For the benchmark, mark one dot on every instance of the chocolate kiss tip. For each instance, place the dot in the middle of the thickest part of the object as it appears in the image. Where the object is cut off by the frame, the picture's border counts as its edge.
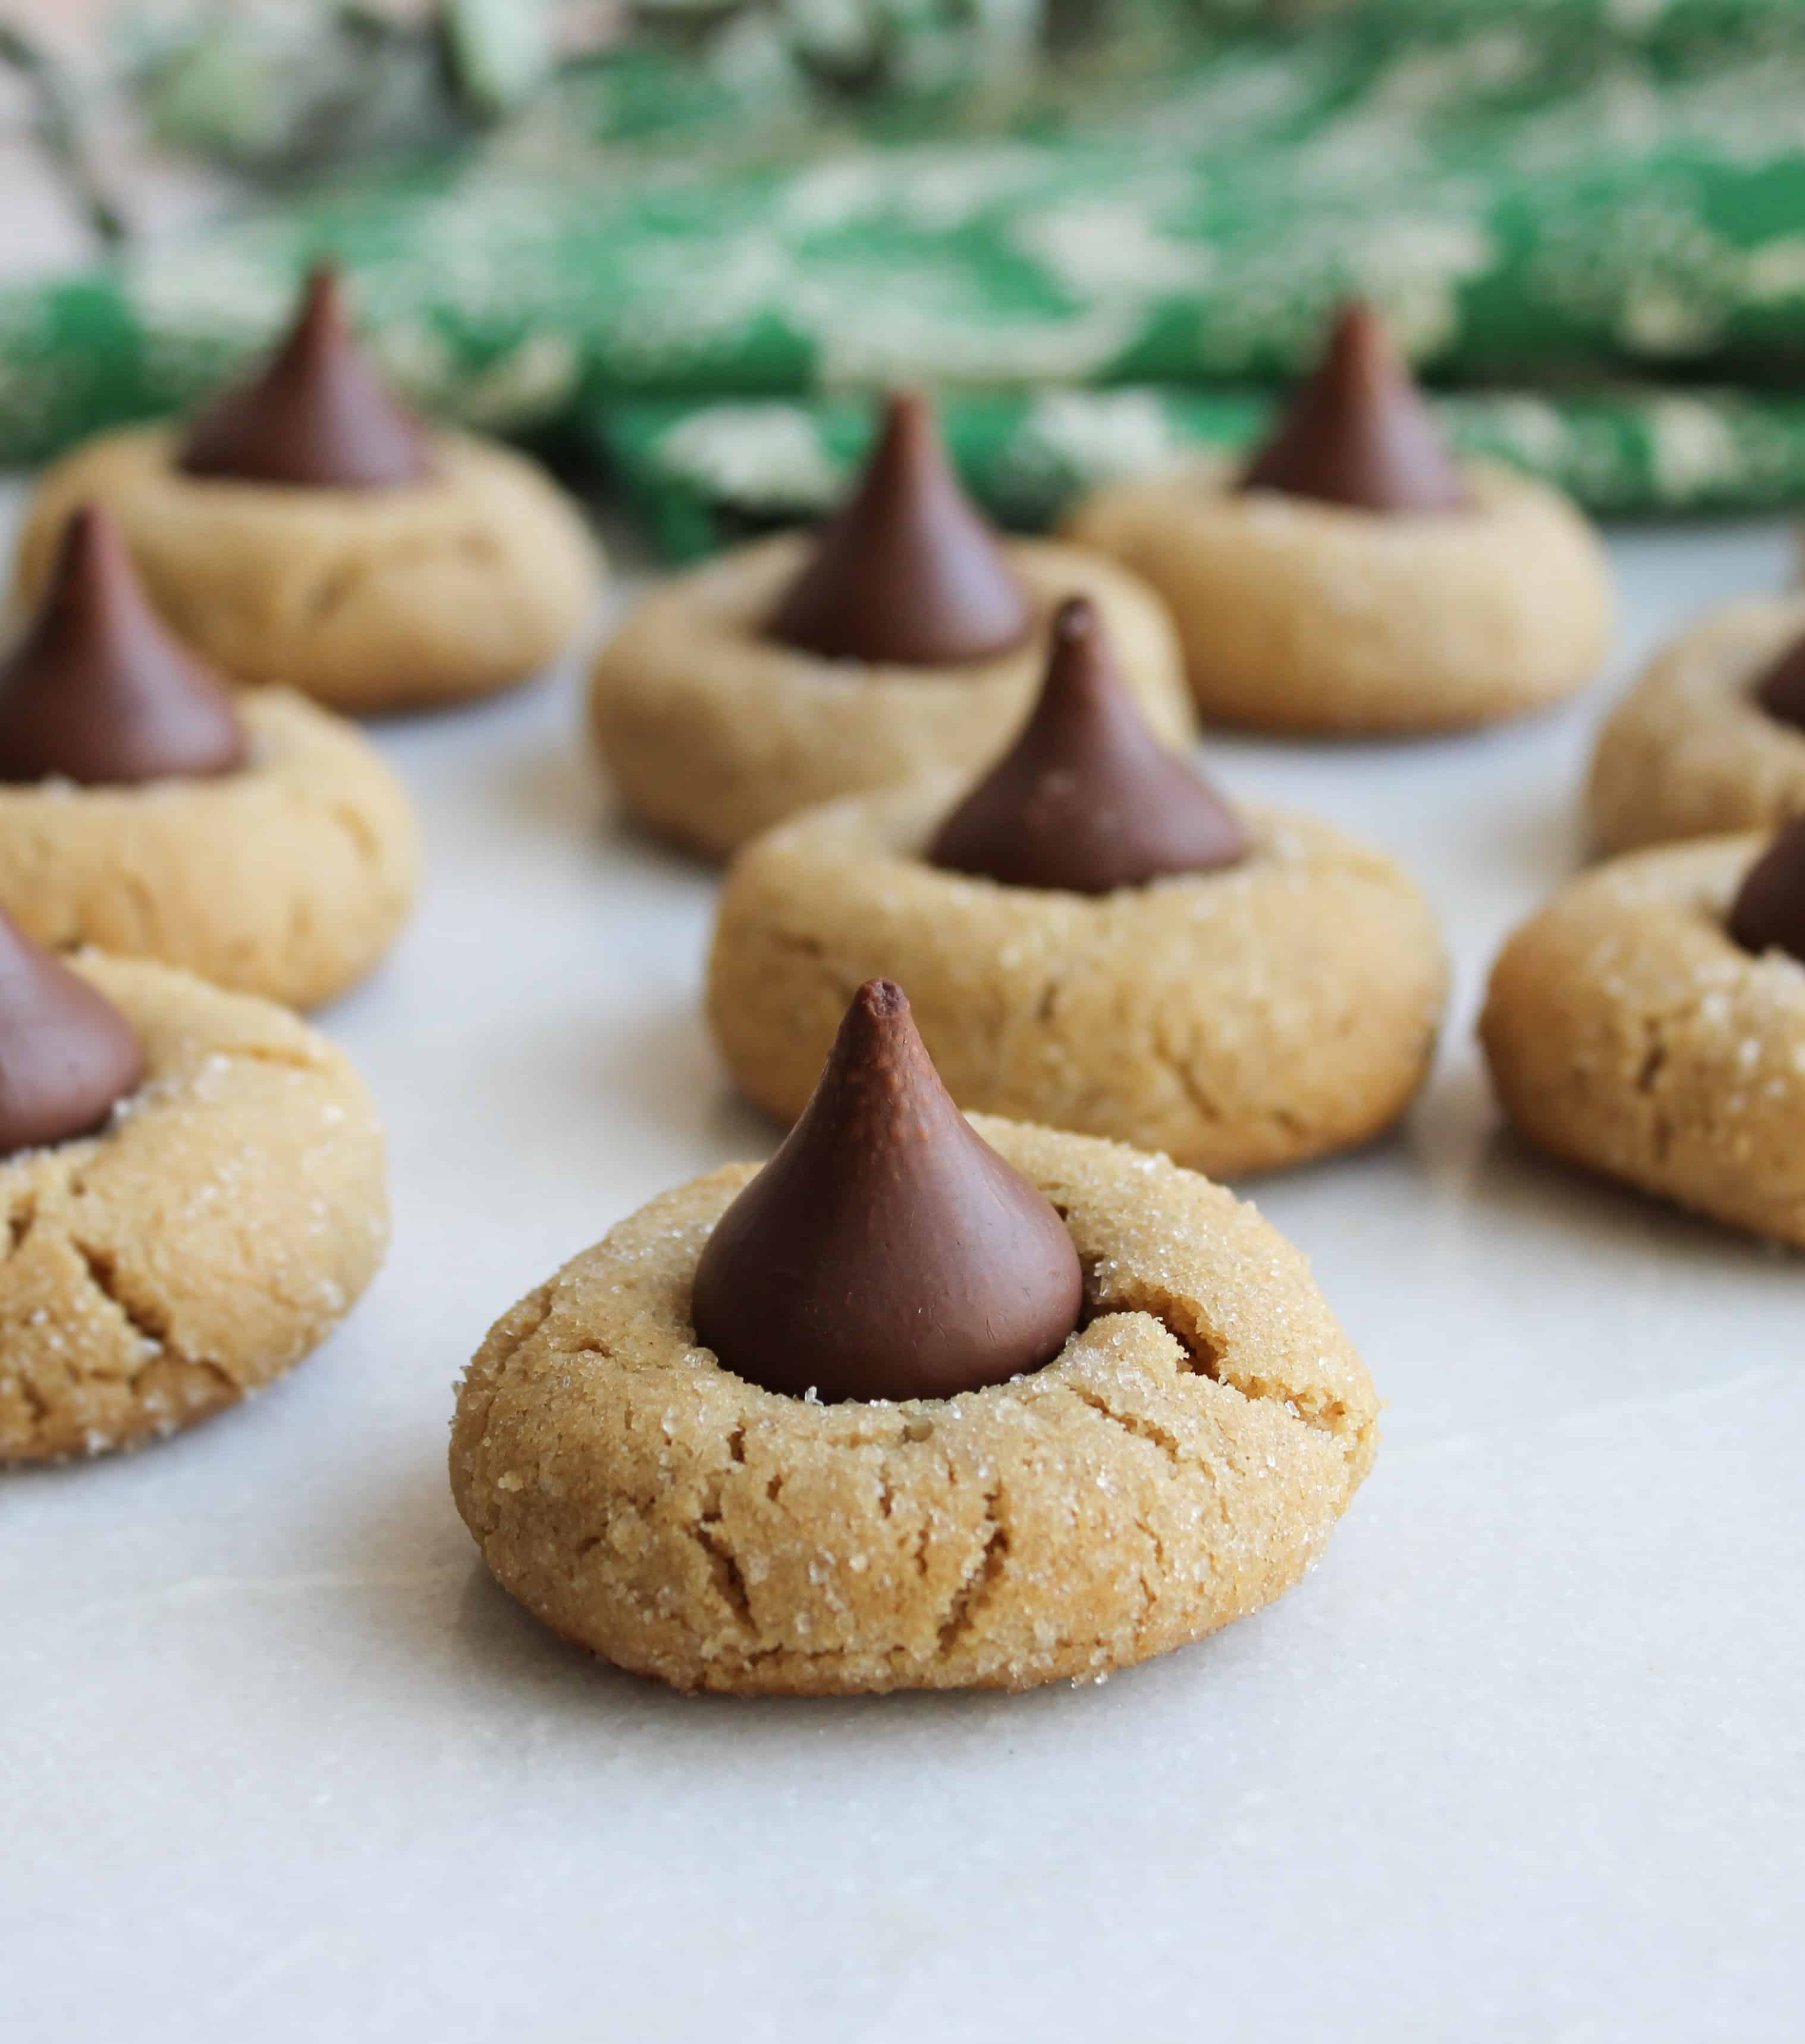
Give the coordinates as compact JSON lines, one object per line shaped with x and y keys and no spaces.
{"x":1086,"y":800}
{"x":1358,"y":432}
{"x":315,"y":417}
{"x":1781,"y":691}
{"x":886,"y":1251}
{"x":1768,"y":913}
{"x":907,"y":573}
{"x":68,"y":1057}
{"x":98,"y":691}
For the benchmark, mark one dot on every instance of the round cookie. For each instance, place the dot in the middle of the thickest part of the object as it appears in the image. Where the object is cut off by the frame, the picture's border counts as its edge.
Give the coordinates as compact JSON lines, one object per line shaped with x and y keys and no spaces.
{"x":1689,"y":752}
{"x":713,"y":731}
{"x":399,"y":599}
{"x":211,"y":1235}
{"x":1237,"y":1020}
{"x":1301,"y":616}
{"x":1180,"y":1464}
{"x":290,"y":877}
{"x":1627,"y":1032}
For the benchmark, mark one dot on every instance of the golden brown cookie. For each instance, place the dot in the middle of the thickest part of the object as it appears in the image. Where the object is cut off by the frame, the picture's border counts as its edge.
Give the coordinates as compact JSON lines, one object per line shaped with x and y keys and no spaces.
{"x":1236,"y":1019}
{"x":1689,"y":752}
{"x":367,"y":600}
{"x":1627,"y":1032}
{"x":214,"y":1233}
{"x":712,"y":731}
{"x":1180,"y":1464}
{"x":1300,"y":616}
{"x":290,"y":877}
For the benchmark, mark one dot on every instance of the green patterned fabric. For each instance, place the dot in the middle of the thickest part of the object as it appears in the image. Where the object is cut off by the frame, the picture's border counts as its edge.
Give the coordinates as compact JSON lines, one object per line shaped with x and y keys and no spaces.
{"x":1558,"y":204}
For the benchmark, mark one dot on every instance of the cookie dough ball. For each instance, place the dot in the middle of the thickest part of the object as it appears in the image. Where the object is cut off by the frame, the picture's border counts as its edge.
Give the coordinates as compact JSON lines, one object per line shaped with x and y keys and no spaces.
{"x":145,"y":809}
{"x":1181,"y":1462}
{"x":1628,"y":1032}
{"x":1354,"y":580}
{"x":211,"y":1233}
{"x":1277,"y":1010}
{"x":905,"y":638}
{"x":1690,"y":750}
{"x":305,"y":529}
{"x":290,"y":878}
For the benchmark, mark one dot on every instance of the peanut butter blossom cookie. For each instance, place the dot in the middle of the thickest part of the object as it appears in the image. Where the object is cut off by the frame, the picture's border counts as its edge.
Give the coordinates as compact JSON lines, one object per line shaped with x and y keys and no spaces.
{"x":1650,"y":1023}
{"x":145,"y":809}
{"x":306,"y":530}
{"x":195,"y":1194}
{"x":1092,"y":939}
{"x":1353,"y":578}
{"x":1711,"y":738}
{"x":925,"y":1404}
{"x":907,"y":638}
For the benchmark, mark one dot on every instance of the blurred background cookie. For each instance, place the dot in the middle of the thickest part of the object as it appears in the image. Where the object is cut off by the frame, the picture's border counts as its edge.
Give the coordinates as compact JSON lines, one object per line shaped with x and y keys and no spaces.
{"x":1353,"y":578}
{"x":305,"y":530}
{"x":1712,"y":738}
{"x":906,"y":637}
{"x":147,"y":809}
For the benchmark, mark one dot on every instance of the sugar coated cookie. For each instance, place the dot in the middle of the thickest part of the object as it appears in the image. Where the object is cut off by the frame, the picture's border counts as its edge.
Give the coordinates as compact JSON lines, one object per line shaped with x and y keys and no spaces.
{"x":260,"y":842}
{"x":1176,"y":1462}
{"x":306,"y":531}
{"x":1093,"y":940}
{"x":1711,"y":738}
{"x":1649,"y":1023}
{"x":1355,"y":579}
{"x":195,"y":1199}
{"x":905,"y":639}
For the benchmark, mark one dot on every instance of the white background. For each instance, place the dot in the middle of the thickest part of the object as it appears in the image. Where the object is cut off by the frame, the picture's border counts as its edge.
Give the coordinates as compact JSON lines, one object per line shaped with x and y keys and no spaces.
{"x":1521,"y":1761}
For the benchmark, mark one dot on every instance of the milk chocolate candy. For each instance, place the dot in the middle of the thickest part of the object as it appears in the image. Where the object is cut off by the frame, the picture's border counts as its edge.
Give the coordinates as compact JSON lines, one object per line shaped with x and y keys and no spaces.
{"x":906,"y":574}
{"x":99,"y":691}
{"x":886,"y":1251}
{"x":1768,"y":913}
{"x":316,"y":416}
{"x":66,"y":1056}
{"x":1358,"y":432}
{"x":1086,"y":800}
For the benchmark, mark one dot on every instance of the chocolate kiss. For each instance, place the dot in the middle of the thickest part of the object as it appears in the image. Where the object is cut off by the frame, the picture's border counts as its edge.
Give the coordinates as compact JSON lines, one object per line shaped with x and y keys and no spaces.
{"x":1768,"y":913}
{"x":1781,"y":690}
{"x":317,"y":416}
{"x":66,"y":1056}
{"x":1358,"y":432}
{"x":906,"y":574}
{"x":1086,"y":800}
{"x":97,"y":691}
{"x":886,"y":1252}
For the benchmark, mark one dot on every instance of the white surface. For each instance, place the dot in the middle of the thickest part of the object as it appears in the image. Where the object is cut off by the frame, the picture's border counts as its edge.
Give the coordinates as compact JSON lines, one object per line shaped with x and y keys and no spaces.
{"x":1521,"y":1761}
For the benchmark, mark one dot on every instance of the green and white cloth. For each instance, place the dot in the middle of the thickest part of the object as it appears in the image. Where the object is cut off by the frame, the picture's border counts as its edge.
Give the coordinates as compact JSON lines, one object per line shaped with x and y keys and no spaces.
{"x":1586,"y":217}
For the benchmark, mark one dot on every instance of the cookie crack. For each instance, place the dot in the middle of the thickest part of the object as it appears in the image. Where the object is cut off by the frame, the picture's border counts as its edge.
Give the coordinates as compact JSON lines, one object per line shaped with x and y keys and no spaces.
{"x":1205,"y":1104}
{"x":355,"y":827}
{"x":20,"y":1221}
{"x":150,"y":1327}
{"x":1204,"y":1358}
{"x":1136,"y":1424}
{"x":979,"y":1582}
{"x":724,"y":1567}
